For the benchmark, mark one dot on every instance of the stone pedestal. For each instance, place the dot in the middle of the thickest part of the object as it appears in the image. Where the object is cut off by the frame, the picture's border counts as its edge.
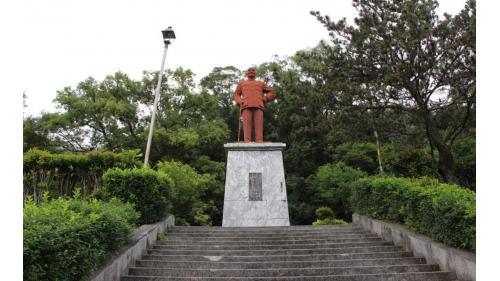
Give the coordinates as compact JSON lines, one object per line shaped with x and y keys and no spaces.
{"x":255,"y":190}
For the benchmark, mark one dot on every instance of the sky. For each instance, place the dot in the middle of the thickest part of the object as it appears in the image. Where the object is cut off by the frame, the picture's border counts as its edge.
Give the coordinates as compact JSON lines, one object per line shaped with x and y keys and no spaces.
{"x":63,"y":42}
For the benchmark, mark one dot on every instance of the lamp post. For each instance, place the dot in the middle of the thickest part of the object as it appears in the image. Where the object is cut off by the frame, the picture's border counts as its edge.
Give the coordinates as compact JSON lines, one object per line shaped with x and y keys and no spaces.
{"x":168,"y":36}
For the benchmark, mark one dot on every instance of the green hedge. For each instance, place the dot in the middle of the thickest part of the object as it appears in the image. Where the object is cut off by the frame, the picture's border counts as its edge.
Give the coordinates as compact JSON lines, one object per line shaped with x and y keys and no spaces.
{"x":446,"y":213}
{"x":147,"y":189}
{"x":66,"y":239}
{"x":60,"y":174}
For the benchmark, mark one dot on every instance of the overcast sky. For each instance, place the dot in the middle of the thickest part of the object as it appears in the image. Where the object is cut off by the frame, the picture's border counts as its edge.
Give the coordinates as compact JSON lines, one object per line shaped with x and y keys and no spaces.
{"x":61,"y":43}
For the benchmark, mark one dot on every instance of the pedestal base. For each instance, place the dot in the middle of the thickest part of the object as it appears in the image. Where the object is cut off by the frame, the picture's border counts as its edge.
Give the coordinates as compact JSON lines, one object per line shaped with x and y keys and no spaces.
{"x":255,"y":190}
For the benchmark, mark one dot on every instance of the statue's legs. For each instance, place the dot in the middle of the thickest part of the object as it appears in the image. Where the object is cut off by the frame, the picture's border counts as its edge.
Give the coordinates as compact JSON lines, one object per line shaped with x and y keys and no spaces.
{"x":253,"y":117}
{"x":258,"y":120}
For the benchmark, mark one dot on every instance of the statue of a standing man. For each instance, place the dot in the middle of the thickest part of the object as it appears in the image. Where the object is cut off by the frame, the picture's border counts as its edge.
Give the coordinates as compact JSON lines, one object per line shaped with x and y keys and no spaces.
{"x":251,"y":95}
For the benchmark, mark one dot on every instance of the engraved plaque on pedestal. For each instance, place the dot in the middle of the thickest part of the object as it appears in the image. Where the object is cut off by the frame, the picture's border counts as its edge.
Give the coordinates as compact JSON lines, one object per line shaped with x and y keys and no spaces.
{"x":255,"y":186}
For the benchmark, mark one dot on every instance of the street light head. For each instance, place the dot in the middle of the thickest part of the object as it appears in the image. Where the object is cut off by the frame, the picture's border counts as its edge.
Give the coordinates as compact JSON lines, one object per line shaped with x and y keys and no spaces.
{"x":168,"y":35}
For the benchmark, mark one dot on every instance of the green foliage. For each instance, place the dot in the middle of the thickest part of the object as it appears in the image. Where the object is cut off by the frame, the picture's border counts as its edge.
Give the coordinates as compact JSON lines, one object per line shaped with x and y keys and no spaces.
{"x":332,"y":186}
{"x":105,"y":112}
{"x":213,"y":193}
{"x":464,"y":153}
{"x":66,"y":239}
{"x":326,"y":216}
{"x":410,"y":162}
{"x":161,"y":236}
{"x":148,"y":190}
{"x":324,"y":212}
{"x":60,"y":174}
{"x":446,"y":213}
{"x":186,"y":193}
{"x":401,"y":56}
{"x":358,"y":155}
{"x":328,"y":221}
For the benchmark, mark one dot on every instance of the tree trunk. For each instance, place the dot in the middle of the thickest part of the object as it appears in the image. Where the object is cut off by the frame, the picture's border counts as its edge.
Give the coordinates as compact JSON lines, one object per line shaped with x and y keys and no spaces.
{"x":379,"y":154}
{"x":446,"y":162}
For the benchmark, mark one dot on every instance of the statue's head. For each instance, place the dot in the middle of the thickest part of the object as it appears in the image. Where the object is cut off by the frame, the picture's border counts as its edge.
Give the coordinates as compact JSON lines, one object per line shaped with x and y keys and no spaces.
{"x":251,"y":73}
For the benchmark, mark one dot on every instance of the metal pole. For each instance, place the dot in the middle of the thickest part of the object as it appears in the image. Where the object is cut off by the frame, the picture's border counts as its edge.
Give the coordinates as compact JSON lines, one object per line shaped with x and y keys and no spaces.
{"x":155,"y":105}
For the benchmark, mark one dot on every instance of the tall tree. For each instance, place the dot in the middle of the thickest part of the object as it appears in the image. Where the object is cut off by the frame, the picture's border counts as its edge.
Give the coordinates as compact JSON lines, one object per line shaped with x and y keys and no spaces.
{"x":402,"y":54}
{"x":107,"y":110}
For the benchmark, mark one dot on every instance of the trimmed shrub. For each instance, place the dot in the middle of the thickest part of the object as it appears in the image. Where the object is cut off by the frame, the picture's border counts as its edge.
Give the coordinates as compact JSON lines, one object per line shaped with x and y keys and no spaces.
{"x":331,"y":185}
{"x":324,"y":212}
{"x":68,"y":239}
{"x":326,"y":216}
{"x":147,"y":189}
{"x":446,"y":213}
{"x":60,"y":174}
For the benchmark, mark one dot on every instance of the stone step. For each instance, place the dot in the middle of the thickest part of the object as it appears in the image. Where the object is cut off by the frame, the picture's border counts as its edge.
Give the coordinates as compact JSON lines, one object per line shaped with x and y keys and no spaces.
{"x":369,"y":249}
{"x":271,"y":247}
{"x":411,"y":276}
{"x":267,"y":235}
{"x":270,"y":231}
{"x":272,"y":258}
{"x":261,"y":228}
{"x":352,"y":270}
{"x":286,"y":264}
{"x":181,"y":242}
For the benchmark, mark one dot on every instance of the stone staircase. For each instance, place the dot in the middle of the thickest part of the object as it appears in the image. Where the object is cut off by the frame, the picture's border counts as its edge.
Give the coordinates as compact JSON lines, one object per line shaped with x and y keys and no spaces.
{"x":336,"y":252}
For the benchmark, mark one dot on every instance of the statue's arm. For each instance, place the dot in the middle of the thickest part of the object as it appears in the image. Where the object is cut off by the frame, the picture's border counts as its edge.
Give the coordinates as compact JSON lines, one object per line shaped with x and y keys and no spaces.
{"x":270,"y":94}
{"x":237,"y":94}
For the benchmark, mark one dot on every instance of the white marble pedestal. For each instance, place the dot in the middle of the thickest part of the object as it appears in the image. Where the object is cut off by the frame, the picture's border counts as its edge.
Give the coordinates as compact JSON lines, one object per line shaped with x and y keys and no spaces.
{"x":255,"y":190}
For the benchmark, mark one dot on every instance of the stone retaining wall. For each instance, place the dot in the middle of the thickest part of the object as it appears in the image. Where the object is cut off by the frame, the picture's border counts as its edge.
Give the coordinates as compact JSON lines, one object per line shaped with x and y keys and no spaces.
{"x":141,"y":239}
{"x":461,"y":262}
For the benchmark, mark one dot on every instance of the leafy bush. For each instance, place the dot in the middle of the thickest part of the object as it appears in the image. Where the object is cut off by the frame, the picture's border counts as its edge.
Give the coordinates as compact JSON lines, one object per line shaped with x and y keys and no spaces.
{"x":147,"y":189}
{"x":326,"y":216}
{"x":331,"y":185}
{"x":188,"y":188}
{"x":324,"y":212}
{"x":213,"y":193}
{"x":66,"y":239}
{"x":446,"y":213}
{"x":60,"y":174}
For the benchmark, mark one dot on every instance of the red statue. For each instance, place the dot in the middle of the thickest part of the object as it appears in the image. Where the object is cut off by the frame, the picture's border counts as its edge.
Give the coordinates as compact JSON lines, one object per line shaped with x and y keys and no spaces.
{"x":251,"y":95}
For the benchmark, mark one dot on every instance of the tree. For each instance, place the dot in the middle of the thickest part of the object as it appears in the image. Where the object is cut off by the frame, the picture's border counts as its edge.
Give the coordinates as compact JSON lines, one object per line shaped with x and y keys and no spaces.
{"x":220,"y":83}
{"x":402,"y":55}
{"x":108,"y":111}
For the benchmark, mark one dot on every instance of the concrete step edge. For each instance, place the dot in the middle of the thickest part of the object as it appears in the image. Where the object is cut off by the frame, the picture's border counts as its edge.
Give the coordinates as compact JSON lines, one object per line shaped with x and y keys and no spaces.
{"x":269,"y":272}
{"x":190,"y":242}
{"x":275,"y":237}
{"x":280,"y":264}
{"x":287,"y":251}
{"x":407,"y":276}
{"x":258,"y":228}
{"x":239,"y":234}
{"x":431,"y":265}
{"x":269,"y":247}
